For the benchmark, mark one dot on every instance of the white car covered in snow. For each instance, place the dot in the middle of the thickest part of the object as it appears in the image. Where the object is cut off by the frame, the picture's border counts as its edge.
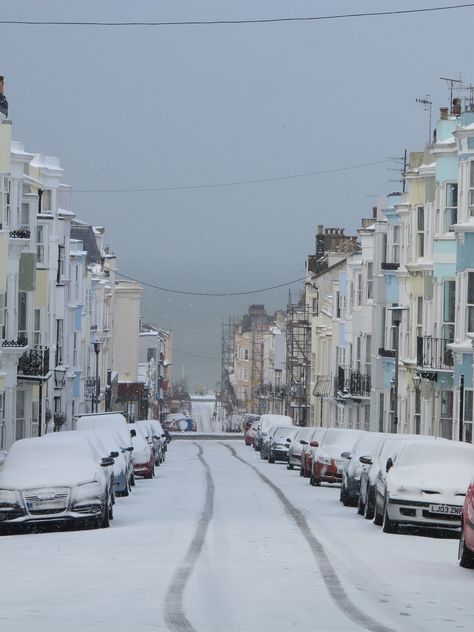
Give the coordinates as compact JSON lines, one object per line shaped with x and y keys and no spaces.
{"x":426,"y":485}
{"x":53,"y":482}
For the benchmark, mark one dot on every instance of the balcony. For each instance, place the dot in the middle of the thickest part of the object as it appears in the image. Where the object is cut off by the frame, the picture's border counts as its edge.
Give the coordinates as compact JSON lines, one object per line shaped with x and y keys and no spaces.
{"x":352,"y":383}
{"x":389,"y":265}
{"x":15,"y":344}
{"x":432,"y":354}
{"x":20,"y":233}
{"x":386,"y":353}
{"x":34,"y":363}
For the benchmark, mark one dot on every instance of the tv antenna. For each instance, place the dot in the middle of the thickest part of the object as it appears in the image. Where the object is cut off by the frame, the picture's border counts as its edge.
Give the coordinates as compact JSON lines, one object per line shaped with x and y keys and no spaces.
{"x":451,"y":87}
{"x":428,"y":104}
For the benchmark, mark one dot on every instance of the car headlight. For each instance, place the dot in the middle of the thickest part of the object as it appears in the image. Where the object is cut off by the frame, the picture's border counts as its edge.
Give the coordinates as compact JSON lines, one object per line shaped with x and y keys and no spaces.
{"x":8,"y":498}
{"x":87,"y":491}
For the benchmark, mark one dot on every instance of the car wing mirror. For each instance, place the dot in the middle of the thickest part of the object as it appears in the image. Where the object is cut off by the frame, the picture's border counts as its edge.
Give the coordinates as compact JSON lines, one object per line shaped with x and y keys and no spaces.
{"x":389,"y":464}
{"x":107,"y":462}
{"x":366,"y":460}
{"x":133,"y":432}
{"x":303,"y":442}
{"x":130,"y":449}
{"x":346,"y":455}
{"x":114,"y":454}
{"x":289,"y":439}
{"x":314,"y":444}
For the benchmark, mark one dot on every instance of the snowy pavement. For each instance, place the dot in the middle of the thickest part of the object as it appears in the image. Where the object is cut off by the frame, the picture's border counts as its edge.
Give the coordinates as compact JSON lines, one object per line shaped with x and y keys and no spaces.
{"x":220,"y":541}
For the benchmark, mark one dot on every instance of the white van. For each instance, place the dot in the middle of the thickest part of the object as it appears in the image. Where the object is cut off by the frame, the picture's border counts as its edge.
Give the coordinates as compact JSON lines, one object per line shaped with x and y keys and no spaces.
{"x":266,"y":422}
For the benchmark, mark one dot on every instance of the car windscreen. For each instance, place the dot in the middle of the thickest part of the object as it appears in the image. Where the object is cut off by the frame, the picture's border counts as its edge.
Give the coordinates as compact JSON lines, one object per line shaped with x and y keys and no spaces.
{"x":442,"y":454}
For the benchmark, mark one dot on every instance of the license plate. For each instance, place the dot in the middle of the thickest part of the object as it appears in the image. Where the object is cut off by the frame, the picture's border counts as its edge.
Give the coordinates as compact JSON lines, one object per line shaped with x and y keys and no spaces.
{"x":450,"y":510}
{"x":45,"y":505}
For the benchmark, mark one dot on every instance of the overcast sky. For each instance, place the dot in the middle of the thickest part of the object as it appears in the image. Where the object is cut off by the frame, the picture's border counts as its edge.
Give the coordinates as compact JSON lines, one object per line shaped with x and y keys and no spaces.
{"x":191,"y":105}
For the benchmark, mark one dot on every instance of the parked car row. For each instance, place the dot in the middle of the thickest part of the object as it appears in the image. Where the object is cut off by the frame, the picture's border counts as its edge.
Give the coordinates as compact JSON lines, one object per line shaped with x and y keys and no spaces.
{"x":393,"y":479}
{"x":74,"y":477}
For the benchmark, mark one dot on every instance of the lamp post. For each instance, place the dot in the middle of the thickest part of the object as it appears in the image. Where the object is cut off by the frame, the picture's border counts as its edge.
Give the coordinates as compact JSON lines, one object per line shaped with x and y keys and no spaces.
{"x":97,"y":383}
{"x":397,"y":314}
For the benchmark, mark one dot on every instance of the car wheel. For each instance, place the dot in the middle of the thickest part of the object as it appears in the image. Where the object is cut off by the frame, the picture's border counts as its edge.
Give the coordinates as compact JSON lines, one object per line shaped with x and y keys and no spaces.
{"x":465,"y":556}
{"x":290,"y":467}
{"x":270,"y":458}
{"x":104,"y":523}
{"x":132,"y":480}
{"x":314,"y":481}
{"x":343,"y":495}
{"x":369,"y":505}
{"x":301,"y":471}
{"x":378,"y":517}
{"x":388,"y":525}
{"x":360,"y":506}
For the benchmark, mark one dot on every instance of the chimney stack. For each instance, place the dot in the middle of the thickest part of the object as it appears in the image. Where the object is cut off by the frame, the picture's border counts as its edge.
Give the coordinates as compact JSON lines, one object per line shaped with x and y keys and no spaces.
{"x":374,"y":212}
{"x":3,"y":101}
{"x":443,"y":113}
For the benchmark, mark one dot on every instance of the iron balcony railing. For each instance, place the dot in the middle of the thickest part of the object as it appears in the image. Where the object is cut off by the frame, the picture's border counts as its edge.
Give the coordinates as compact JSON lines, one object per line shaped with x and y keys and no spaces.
{"x":352,"y":382}
{"x":34,"y":362}
{"x":18,"y":342}
{"x":433,"y":353}
{"x":20,"y":233}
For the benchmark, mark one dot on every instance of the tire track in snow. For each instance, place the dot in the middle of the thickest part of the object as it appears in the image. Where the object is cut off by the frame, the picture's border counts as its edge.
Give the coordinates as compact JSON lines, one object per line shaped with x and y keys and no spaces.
{"x":328,"y":572}
{"x":174,"y":614}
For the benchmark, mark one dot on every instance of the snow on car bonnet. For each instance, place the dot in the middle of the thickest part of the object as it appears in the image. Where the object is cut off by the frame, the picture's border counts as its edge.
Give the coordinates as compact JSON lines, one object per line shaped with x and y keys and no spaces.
{"x":37,"y":463}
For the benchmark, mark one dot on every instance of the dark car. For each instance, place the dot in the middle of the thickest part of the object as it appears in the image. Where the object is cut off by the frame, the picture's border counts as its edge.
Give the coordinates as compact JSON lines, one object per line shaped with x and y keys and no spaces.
{"x":367,"y":445}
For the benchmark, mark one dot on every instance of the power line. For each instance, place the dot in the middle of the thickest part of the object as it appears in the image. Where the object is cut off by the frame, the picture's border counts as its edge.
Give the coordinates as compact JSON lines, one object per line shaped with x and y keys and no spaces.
{"x":189,"y":293}
{"x":237,"y":21}
{"x":190,"y":187}
{"x":195,"y":355}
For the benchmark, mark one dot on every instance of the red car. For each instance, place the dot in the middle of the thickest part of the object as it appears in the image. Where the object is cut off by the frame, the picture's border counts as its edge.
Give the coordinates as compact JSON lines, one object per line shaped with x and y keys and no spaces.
{"x":328,"y":461}
{"x":143,"y":455}
{"x":308,"y":450}
{"x":466,"y":542}
{"x":250,"y":429}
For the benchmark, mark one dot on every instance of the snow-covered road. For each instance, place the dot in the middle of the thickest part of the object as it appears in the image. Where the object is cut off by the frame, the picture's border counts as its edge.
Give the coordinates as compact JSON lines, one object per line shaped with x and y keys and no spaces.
{"x":220,"y":541}
{"x":202,"y":410}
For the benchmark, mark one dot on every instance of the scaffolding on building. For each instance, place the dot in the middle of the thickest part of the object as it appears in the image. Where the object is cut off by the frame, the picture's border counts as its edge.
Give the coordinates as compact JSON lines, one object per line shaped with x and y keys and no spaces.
{"x":256,"y":379}
{"x":298,"y":362}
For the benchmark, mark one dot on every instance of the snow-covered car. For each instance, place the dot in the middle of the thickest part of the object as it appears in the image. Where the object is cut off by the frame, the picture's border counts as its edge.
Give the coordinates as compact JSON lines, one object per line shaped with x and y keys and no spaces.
{"x":309,"y":450}
{"x":233,"y":423}
{"x":328,"y":460}
{"x":153,"y":439}
{"x":280,"y":443}
{"x":3,"y":456}
{"x":466,"y":540}
{"x":264,"y":450}
{"x":46,"y":482}
{"x":158,"y":432}
{"x":266,"y":422}
{"x":110,"y":442}
{"x":375,"y":468}
{"x":367,"y":445}
{"x":426,"y":485}
{"x":296,"y":446}
{"x":142,"y":455}
{"x":111,"y":422}
{"x":249,"y":424}
{"x":178,"y":422}
{"x":94,"y":443}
